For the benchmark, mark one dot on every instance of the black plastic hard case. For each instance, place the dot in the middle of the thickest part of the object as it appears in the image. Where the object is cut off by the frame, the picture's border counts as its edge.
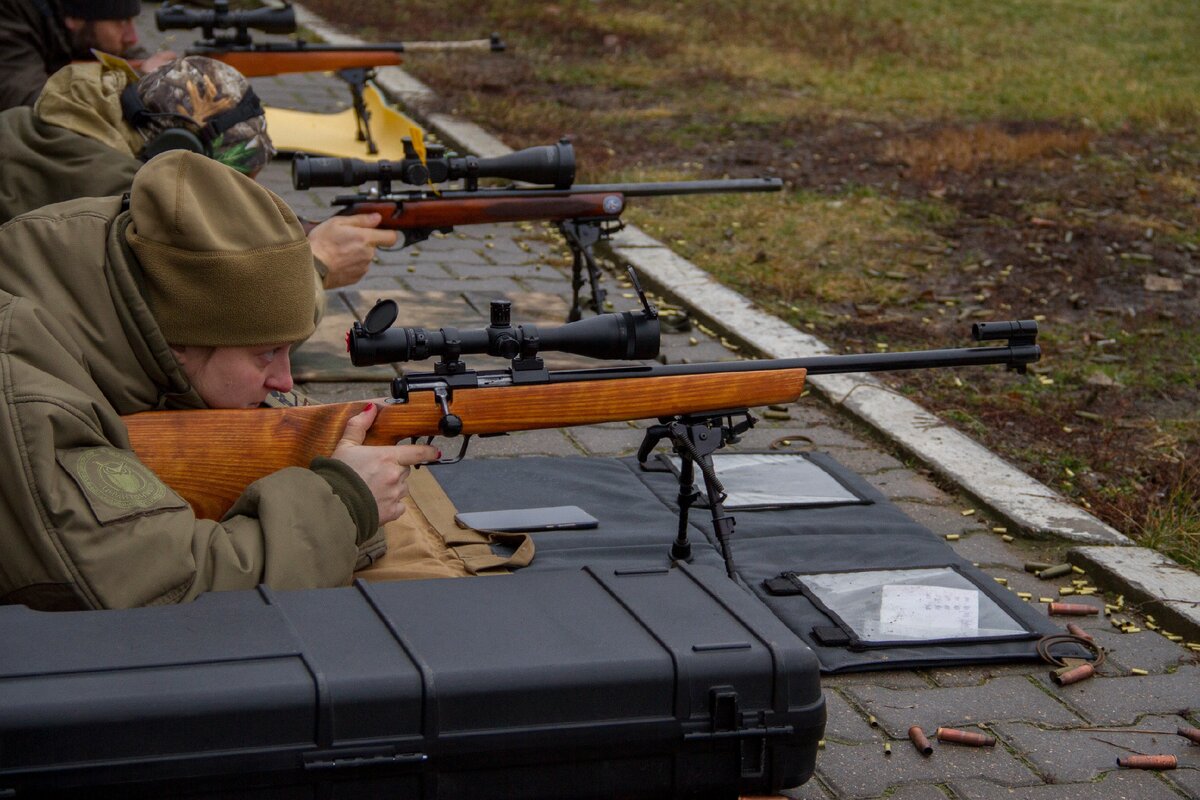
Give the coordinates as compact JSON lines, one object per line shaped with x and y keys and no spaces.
{"x":634,"y":683}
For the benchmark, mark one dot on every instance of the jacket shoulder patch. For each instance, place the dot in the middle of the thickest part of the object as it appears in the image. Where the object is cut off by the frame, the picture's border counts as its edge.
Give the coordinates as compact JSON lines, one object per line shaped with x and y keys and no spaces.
{"x":116,"y":484}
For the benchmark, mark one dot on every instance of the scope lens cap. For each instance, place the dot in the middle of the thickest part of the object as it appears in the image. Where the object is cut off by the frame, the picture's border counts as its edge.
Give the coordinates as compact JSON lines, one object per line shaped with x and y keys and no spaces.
{"x":381,"y":317}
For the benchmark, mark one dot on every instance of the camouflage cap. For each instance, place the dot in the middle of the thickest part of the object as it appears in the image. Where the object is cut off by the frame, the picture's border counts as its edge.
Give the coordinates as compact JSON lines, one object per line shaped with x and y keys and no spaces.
{"x":198,"y":89}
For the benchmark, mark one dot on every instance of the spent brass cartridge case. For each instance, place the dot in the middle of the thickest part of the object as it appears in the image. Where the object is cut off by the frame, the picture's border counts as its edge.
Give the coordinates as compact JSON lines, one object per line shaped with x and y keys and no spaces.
{"x":1056,"y":571}
{"x":1036,"y":566}
{"x":1073,"y":609}
{"x":1190,"y":733}
{"x":1147,"y":762}
{"x":969,"y":738}
{"x":1075,"y":630}
{"x":920,"y":740}
{"x":1066,"y":677}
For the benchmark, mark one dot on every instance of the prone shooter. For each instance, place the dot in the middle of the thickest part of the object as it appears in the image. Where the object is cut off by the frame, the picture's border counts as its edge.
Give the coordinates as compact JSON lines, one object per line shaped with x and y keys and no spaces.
{"x":355,"y":65}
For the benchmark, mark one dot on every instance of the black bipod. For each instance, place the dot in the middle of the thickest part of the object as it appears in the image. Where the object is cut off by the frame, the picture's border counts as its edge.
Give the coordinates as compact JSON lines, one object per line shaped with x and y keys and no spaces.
{"x":695,"y":438}
{"x":581,"y":236}
{"x":357,"y":78}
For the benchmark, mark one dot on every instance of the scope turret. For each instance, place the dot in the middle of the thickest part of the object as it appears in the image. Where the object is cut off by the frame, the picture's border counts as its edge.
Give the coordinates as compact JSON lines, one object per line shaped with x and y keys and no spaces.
{"x":552,"y":164}
{"x":626,"y":335}
{"x":219,"y":17}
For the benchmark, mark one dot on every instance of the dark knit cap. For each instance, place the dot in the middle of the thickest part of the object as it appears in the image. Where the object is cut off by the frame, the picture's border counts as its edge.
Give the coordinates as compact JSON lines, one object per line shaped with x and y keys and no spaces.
{"x":101,"y":9}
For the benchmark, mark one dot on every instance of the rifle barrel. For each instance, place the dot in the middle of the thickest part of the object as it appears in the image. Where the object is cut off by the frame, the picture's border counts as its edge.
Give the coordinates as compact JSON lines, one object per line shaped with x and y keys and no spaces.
{"x":625,"y":189}
{"x":684,"y":187}
{"x":1013,"y":355}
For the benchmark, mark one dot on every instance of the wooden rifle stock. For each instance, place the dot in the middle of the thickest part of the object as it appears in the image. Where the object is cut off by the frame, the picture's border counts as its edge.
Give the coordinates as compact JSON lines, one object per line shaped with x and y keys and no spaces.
{"x":210,"y":456}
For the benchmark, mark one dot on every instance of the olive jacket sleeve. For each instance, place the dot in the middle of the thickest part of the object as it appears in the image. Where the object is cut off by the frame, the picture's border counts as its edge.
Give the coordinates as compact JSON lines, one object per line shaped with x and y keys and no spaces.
{"x":82,"y":515}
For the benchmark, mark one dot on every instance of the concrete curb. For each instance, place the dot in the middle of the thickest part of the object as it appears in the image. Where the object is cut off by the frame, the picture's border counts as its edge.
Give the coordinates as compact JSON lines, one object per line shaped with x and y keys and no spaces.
{"x":1023,"y":503}
{"x":1153,"y":583}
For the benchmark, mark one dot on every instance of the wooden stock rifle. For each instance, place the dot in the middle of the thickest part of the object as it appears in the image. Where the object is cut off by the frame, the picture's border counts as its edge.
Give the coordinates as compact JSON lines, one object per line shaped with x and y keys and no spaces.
{"x":584,"y":214}
{"x":355,"y":65}
{"x":211,"y":456}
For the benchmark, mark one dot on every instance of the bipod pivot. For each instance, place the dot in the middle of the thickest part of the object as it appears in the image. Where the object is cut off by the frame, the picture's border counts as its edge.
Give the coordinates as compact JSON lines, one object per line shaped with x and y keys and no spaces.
{"x":357,"y":79}
{"x":581,"y":236}
{"x":695,"y":438}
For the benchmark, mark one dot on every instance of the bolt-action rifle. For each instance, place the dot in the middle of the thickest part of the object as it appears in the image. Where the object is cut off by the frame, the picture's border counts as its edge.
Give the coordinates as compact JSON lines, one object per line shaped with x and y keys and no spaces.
{"x":584,"y":213}
{"x":355,"y":65}
{"x":211,"y":456}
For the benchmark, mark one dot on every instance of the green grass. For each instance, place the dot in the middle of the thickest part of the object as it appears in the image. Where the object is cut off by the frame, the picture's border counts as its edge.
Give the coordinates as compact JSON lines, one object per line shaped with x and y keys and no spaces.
{"x":1107,"y":61}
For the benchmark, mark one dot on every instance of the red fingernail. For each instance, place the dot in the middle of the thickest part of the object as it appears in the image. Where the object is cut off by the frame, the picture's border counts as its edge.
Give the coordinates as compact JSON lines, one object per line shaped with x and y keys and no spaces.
{"x":439,"y":455}
{"x":369,"y":406}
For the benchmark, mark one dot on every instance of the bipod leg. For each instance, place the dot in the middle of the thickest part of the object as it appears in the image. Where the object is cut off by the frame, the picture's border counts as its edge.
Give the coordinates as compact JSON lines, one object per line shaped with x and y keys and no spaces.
{"x":681,"y":548}
{"x":598,"y":295}
{"x":357,"y":80}
{"x":576,"y":312}
{"x":723,"y":523}
{"x":581,"y":235}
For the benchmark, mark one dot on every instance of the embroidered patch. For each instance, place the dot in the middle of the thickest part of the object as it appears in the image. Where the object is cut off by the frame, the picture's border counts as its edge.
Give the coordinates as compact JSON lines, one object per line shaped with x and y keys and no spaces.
{"x":116,"y":484}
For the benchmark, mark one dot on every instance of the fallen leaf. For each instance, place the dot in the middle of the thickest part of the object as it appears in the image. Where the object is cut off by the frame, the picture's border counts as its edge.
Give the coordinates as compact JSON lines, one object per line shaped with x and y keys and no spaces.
{"x":1100,"y":379}
{"x":1157,"y":283}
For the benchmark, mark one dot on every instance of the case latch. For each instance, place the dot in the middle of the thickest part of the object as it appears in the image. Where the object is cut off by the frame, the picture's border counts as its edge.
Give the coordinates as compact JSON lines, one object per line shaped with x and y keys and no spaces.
{"x":723,"y":705}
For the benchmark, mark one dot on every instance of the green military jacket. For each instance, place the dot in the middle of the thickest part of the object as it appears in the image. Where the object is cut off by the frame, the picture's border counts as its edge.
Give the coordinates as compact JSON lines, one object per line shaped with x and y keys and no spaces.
{"x":42,"y":164}
{"x":73,"y":143}
{"x":83,"y":524}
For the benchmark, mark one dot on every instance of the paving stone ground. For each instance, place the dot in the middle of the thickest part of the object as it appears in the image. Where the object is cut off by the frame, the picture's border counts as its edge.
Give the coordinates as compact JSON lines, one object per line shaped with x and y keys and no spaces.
{"x":1044,"y":748}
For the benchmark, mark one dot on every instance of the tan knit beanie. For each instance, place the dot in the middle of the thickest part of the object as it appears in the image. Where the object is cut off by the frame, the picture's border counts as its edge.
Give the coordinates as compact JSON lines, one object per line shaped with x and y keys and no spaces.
{"x":225,"y":260}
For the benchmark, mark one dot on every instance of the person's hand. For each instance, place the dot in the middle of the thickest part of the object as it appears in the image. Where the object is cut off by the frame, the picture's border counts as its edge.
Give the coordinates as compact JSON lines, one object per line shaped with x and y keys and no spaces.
{"x":346,"y":245}
{"x":384,"y":469}
{"x":157,"y":60}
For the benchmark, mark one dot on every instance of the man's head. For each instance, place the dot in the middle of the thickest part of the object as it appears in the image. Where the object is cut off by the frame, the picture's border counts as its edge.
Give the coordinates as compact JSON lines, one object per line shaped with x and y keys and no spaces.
{"x":105,"y":25}
{"x":228,"y":275}
{"x":209,"y":100}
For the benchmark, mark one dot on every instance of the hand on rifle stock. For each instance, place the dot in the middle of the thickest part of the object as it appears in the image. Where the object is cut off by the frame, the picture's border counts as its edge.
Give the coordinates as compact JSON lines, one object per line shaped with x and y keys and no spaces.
{"x":346,"y":245}
{"x":383,"y":468}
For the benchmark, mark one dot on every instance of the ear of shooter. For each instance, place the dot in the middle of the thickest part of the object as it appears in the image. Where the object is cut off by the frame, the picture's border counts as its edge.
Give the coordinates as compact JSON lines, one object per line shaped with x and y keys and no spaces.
{"x":418,"y":141}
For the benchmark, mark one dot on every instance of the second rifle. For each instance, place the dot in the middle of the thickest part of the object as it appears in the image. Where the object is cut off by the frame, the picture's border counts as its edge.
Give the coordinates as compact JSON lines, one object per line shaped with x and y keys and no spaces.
{"x":584,"y":213}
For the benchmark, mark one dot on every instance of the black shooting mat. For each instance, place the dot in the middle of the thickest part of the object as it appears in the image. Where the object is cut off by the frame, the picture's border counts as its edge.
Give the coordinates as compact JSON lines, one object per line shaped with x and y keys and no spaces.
{"x":784,"y":556}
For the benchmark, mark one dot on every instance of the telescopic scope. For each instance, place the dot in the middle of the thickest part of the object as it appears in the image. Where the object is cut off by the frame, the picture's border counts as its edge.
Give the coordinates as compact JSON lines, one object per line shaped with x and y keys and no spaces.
{"x":626,"y":335}
{"x":552,"y":164}
{"x":219,"y":17}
